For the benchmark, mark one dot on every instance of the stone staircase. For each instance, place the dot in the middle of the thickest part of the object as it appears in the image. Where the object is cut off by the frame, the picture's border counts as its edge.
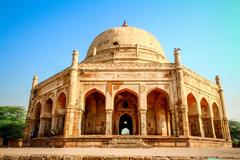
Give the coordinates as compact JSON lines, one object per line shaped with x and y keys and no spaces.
{"x":125,"y":142}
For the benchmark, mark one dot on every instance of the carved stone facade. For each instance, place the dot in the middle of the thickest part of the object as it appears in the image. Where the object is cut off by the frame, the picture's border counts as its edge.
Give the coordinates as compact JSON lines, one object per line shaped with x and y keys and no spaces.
{"x":126,"y":87}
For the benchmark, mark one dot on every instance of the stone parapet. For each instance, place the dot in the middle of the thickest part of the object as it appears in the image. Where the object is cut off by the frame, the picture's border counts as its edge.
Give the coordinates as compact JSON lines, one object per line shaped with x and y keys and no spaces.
{"x":199,"y":77}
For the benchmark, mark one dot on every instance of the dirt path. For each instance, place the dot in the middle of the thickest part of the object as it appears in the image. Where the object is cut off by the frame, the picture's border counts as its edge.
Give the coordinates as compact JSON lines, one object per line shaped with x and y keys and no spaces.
{"x":184,"y":152}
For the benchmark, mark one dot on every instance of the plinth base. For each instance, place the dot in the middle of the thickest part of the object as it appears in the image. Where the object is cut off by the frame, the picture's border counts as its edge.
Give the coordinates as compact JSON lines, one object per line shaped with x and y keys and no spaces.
{"x":133,"y":141}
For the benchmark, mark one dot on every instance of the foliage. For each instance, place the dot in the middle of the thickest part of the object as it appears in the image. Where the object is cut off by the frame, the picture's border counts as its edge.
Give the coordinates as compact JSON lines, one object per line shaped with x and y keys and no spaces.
{"x":235,"y":131}
{"x":12,"y":122}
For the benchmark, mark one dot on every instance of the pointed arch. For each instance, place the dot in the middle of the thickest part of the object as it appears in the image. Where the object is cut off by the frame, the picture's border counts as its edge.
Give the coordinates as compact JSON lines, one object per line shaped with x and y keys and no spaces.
{"x":217,"y":121}
{"x":37,"y":111}
{"x":124,"y":95}
{"x":126,"y":90}
{"x":193,"y":116}
{"x":94,"y":117}
{"x":159,"y":90}
{"x":36,"y":120}
{"x":48,"y":107}
{"x":61,"y":103}
{"x":125,"y":102}
{"x":46,"y":121}
{"x":59,"y":115}
{"x":158,"y":117}
{"x":216,"y":112}
{"x":204,"y":108}
{"x":206,"y":118}
{"x":91,"y":91}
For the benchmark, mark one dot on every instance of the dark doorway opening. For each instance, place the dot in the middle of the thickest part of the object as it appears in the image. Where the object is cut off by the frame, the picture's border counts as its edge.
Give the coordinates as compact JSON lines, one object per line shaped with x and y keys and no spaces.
{"x":125,"y":125}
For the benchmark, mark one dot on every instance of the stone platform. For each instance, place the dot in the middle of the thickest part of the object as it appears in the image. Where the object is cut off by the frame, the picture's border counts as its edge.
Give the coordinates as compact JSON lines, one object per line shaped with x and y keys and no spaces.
{"x":133,"y":141}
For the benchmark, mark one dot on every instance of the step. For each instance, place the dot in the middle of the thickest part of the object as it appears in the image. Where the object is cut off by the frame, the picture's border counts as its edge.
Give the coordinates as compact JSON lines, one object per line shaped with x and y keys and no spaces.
{"x":126,"y":143}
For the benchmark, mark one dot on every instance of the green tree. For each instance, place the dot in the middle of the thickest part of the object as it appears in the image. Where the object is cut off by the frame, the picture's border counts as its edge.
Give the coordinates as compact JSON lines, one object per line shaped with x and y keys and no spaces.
{"x":12,"y":122}
{"x":235,"y":131}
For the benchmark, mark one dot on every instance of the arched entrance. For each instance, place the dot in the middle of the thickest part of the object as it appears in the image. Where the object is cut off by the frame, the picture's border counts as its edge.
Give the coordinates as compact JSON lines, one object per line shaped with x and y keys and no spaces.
{"x":158,"y":117}
{"x":125,"y":116}
{"x":206,"y":118}
{"x":46,"y":120}
{"x":36,"y":121}
{"x":217,"y":121}
{"x":94,"y":117}
{"x":193,"y":116}
{"x":59,"y":115}
{"x":125,"y":125}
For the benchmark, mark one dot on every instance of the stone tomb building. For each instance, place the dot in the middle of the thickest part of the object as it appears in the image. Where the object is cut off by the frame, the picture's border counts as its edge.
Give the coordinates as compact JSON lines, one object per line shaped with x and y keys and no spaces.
{"x":126,"y":93}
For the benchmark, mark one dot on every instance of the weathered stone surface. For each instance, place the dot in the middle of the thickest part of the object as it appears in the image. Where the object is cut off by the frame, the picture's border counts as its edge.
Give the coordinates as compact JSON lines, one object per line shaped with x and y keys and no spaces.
{"x":125,"y":83}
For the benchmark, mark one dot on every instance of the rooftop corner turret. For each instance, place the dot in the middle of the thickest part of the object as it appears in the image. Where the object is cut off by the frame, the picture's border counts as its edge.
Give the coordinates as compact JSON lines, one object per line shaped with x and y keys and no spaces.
{"x":218,"y":82}
{"x":75,"y":55}
{"x":35,"y":81}
{"x":177,"y":56}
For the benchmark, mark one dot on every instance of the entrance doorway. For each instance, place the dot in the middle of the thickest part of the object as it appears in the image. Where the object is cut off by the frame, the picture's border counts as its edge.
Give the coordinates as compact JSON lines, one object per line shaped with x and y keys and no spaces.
{"x":125,"y":125}
{"x":125,"y":114}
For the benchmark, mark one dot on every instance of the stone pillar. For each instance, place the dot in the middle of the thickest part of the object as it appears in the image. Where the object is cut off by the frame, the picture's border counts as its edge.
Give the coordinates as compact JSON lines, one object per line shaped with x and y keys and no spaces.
{"x":226,"y":131}
{"x":79,"y":114}
{"x":29,"y":121}
{"x":109,"y":109}
{"x":219,"y":124}
{"x":173,"y":121}
{"x":72,"y":96}
{"x":143,"y":113}
{"x":54,"y":122}
{"x":142,"y":109}
{"x":181,"y":99}
{"x":79,"y":121}
{"x":169,"y":124}
{"x":109,"y":114}
{"x":200,"y":127}
{"x":174,"y":107}
{"x":202,"y":134}
{"x":212,"y":122}
{"x":55,"y":117}
{"x":41,"y":127}
{"x":157,"y":115}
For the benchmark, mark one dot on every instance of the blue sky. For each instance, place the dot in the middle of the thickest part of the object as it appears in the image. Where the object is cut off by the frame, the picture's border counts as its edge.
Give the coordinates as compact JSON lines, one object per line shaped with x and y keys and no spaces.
{"x":39,"y":36}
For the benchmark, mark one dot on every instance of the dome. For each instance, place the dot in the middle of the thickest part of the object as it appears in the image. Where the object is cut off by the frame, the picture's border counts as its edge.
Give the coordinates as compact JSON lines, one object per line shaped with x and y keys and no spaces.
{"x":120,"y":44}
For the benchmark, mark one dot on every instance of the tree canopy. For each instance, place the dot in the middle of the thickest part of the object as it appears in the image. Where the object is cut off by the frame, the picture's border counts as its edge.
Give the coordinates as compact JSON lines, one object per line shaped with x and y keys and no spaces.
{"x":12,"y":122}
{"x":235,"y":131}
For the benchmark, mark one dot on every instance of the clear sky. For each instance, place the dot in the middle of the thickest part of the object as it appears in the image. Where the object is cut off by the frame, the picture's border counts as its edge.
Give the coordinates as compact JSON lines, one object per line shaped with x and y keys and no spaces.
{"x":38,"y":36}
